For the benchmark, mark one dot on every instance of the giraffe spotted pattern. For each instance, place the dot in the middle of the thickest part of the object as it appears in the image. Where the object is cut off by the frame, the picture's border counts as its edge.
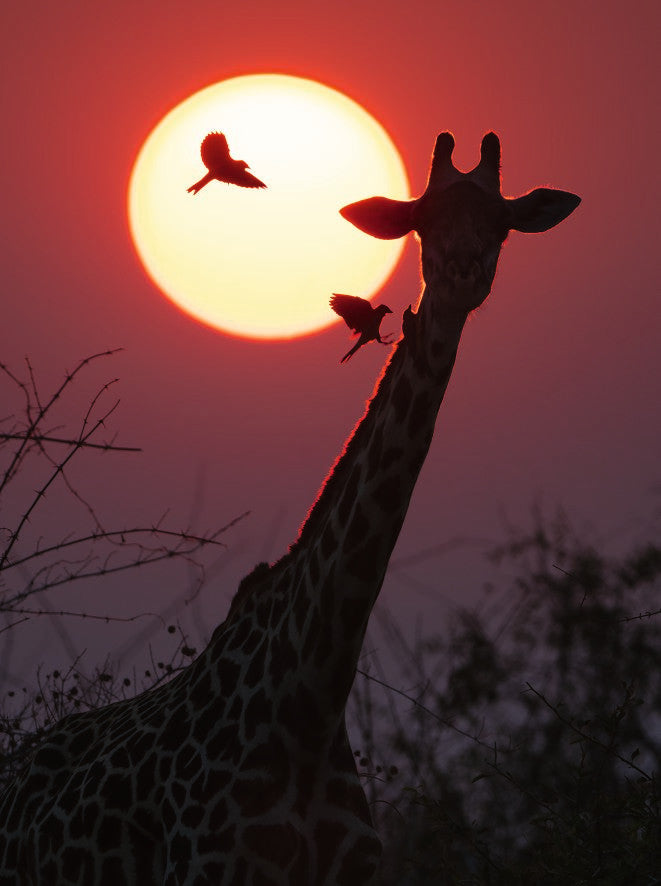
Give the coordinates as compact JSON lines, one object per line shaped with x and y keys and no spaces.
{"x":231,"y":771}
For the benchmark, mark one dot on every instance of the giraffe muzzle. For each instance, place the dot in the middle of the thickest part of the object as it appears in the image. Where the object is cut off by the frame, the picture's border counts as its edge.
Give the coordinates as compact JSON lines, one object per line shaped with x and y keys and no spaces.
{"x":464,"y":273}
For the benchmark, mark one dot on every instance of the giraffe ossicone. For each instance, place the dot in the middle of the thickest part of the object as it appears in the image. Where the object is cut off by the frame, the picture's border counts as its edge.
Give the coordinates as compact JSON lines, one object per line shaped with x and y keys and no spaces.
{"x":239,"y":770}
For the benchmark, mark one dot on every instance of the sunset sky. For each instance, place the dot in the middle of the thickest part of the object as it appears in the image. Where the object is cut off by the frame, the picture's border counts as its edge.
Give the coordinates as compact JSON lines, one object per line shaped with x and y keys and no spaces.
{"x":555,"y":396}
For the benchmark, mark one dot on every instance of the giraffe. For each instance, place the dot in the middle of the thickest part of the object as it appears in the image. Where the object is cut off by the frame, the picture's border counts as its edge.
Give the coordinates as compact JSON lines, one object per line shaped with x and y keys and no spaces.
{"x":239,"y":770}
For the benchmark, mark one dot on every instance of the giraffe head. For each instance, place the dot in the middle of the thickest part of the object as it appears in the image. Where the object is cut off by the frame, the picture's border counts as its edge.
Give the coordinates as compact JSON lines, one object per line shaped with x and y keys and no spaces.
{"x":462,"y":220}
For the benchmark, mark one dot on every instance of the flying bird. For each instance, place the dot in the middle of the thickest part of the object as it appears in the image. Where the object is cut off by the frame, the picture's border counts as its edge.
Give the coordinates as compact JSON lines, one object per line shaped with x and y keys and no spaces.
{"x":361,"y":317}
{"x":216,"y":157}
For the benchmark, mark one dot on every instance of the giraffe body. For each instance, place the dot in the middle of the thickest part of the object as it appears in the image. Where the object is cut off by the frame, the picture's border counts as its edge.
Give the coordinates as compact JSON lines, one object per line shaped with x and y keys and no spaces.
{"x":176,"y":789}
{"x":239,"y":771}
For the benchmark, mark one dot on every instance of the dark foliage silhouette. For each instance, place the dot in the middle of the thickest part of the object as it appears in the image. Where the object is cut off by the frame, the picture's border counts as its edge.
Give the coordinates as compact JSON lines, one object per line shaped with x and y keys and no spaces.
{"x":528,"y":747}
{"x":361,"y":318}
{"x":216,"y":157}
{"x":27,"y":712}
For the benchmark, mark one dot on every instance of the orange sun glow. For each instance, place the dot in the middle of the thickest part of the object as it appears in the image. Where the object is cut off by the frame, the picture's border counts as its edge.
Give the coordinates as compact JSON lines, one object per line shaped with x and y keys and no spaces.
{"x":263,"y":263}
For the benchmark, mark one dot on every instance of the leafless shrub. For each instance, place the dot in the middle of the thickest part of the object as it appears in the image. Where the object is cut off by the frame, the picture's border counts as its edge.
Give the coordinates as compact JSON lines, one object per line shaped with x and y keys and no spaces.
{"x":36,"y":447}
{"x":39,"y":444}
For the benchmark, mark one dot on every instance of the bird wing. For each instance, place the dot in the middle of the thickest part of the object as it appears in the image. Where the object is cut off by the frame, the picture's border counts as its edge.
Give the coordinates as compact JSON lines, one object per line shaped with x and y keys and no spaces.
{"x":355,"y":311}
{"x":247,"y":180}
{"x":214,"y":150}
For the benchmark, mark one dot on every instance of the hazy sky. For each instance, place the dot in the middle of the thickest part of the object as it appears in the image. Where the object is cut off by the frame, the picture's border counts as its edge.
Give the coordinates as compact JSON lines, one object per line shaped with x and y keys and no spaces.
{"x":555,"y":395}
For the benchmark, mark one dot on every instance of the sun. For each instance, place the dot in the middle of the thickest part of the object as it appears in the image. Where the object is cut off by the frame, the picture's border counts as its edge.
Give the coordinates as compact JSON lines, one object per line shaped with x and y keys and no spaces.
{"x":263,"y":263}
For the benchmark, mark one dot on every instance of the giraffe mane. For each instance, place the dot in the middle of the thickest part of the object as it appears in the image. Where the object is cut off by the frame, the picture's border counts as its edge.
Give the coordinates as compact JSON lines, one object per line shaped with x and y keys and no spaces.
{"x":335,"y":480}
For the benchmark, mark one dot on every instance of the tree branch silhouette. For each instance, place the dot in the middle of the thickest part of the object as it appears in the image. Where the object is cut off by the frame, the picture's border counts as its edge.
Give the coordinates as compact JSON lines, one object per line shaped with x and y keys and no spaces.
{"x":89,"y":554}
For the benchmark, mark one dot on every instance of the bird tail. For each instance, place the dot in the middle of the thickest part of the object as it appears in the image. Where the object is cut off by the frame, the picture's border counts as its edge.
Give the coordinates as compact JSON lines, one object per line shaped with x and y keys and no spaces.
{"x":199,"y":185}
{"x":353,"y":350}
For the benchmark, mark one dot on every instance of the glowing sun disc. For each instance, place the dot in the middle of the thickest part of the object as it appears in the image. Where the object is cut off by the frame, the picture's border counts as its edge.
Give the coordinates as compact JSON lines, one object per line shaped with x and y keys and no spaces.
{"x":263,"y":263}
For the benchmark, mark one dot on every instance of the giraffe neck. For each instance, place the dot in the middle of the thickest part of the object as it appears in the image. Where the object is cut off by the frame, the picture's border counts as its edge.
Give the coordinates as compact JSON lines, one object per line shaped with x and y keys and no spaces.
{"x":345,"y":543}
{"x":315,"y":602}
{"x":356,"y":519}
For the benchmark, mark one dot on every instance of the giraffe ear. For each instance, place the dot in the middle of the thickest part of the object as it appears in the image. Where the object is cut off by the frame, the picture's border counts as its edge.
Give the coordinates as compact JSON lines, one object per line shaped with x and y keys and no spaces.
{"x":381,"y":217}
{"x":541,"y":209}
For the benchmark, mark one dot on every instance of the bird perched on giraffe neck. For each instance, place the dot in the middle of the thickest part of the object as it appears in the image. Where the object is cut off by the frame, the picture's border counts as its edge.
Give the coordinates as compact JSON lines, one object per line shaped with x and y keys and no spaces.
{"x":216,"y":157}
{"x":361,"y":318}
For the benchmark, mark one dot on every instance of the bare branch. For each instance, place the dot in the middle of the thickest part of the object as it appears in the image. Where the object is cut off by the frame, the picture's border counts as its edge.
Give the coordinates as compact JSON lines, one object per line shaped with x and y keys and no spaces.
{"x":40,"y":493}
{"x":67,"y":441}
{"x":42,"y":410}
{"x":122,"y":534}
{"x":84,"y":615}
{"x":418,"y":704}
{"x":587,"y":736}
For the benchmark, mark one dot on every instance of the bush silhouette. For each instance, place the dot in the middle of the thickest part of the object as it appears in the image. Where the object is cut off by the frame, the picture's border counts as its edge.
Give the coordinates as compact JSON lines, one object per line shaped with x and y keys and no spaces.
{"x":531,"y":754}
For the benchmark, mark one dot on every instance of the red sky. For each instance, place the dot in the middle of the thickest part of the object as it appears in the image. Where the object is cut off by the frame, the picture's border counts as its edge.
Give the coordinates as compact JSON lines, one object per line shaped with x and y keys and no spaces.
{"x":555,"y":397}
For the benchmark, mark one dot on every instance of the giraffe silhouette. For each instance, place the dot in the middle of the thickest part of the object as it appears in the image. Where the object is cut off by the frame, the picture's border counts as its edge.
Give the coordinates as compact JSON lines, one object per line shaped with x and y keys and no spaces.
{"x":239,"y":770}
